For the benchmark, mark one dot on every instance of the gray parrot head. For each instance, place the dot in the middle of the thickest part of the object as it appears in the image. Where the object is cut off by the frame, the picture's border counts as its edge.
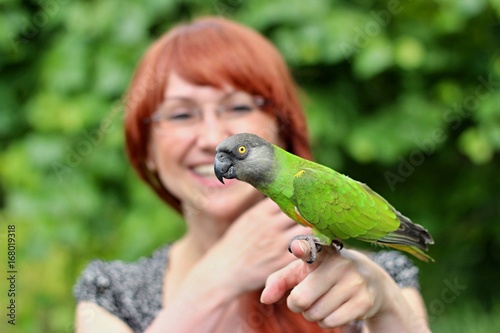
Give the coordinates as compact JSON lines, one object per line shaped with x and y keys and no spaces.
{"x":246,"y":157}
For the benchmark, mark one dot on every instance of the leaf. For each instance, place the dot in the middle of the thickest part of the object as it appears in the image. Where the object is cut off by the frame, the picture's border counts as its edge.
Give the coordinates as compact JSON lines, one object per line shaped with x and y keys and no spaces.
{"x":474,"y":144}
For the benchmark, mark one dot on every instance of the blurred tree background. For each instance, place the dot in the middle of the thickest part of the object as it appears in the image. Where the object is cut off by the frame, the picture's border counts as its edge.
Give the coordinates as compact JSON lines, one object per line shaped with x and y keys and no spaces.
{"x":402,"y":95}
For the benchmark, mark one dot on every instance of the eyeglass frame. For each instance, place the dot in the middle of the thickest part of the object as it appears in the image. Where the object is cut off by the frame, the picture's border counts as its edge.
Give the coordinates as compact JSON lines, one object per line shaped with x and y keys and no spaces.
{"x":258,"y":100}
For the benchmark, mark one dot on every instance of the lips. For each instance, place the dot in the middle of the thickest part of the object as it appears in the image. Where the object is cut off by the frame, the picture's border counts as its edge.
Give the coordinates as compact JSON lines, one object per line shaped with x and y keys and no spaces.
{"x":205,"y":170}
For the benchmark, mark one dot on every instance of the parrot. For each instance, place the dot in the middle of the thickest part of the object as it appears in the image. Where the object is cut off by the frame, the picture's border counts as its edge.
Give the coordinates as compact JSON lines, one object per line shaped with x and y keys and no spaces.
{"x":333,"y":205}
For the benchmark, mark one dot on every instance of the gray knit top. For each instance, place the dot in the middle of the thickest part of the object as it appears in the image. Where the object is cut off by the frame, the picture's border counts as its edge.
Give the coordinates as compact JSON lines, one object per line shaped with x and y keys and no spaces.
{"x":133,"y":291}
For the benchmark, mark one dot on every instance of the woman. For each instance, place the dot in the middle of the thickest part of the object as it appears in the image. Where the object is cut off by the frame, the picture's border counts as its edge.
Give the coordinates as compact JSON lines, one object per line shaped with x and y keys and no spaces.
{"x":197,"y":85}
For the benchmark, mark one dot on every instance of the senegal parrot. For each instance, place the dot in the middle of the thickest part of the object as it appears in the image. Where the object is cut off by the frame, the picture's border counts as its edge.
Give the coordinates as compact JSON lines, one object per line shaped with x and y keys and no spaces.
{"x":334,"y":206}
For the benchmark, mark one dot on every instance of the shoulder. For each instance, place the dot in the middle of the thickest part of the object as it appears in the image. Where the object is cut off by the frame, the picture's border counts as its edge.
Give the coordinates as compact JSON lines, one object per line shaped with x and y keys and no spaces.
{"x":399,"y":267}
{"x":130,"y":291}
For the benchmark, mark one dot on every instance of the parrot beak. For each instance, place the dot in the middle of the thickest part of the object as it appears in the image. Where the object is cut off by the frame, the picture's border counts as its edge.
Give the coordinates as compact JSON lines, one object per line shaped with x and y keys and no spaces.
{"x":223,"y":167}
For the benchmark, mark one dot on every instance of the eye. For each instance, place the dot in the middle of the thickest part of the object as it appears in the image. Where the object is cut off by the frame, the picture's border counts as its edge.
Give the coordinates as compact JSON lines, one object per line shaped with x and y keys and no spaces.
{"x":242,"y":150}
{"x":181,"y":114}
{"x":240,"y":108}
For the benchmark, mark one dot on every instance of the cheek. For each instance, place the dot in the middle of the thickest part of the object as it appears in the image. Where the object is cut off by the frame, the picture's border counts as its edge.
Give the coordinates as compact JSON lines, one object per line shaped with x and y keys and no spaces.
{"x":262,"y":125}
{"x":269,"y":133}
{"x":167,"y":153}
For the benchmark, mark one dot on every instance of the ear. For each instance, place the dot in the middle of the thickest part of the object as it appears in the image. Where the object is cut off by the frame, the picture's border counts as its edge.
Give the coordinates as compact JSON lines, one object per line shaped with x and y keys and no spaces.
{"x":150,"y":161}
{"x":150,"y":164}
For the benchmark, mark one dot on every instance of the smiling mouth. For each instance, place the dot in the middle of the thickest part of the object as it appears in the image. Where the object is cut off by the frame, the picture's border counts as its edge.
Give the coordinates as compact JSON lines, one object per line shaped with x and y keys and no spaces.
{"x":206,"y":171}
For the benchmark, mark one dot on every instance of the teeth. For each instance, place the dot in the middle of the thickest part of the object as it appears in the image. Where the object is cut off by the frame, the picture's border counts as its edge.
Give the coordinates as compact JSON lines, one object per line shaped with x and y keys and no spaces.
{"x":205,"y":170}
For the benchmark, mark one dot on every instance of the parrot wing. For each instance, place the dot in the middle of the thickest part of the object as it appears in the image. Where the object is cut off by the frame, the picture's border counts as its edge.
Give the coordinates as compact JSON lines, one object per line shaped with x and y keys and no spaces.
{"x":340,"y":207}
{"x":337,"y":206}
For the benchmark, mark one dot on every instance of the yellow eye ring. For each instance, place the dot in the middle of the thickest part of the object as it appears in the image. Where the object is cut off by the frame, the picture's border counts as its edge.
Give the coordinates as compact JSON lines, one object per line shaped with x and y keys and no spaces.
{"x":242,"y":150}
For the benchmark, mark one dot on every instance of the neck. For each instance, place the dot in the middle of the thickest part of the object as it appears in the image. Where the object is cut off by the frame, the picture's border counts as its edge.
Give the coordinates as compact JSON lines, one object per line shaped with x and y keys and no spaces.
{"x":203,"y":230}
{"x":286,"y":165}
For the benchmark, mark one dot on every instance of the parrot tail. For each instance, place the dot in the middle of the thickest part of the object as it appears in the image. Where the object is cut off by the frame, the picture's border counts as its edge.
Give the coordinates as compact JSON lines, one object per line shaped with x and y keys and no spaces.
{"x":413,"y":250}
{"x":409,"y":237}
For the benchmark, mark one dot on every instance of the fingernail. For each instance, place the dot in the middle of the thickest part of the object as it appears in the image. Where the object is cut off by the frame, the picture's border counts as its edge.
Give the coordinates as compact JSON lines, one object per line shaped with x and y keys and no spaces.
{"x":302,"y":246}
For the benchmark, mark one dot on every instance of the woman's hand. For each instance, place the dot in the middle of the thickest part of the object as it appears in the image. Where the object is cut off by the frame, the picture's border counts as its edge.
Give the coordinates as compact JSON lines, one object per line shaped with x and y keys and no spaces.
{"x":341,"y":287}
{"x":252,"y":248}
{"x":255,"y":245}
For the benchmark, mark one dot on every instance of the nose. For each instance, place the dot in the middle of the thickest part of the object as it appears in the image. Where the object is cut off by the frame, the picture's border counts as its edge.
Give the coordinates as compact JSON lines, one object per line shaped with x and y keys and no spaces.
{"x":211,"y":132}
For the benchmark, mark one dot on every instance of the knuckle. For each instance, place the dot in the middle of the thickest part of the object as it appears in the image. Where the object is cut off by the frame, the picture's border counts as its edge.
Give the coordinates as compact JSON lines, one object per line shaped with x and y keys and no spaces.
{"x":312,"y":314}
{"x":329,"y":322}
{"x":358,"y":282}
{"x":345,"y":265}
{"x":298,"y":302}
{"x":364,"y":303}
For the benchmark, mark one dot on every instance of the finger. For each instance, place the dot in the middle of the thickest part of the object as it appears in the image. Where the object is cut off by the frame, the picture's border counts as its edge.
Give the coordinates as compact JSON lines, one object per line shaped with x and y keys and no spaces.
{"x":297,"y":229}
{"x":354,"y":309}
{"x":283,"y":223}
{"x":321,"y":281}
{"x":272,"y":207}
{"x":278,"y":283}
{"x":301,"y":249}
{"x":327,"y":303}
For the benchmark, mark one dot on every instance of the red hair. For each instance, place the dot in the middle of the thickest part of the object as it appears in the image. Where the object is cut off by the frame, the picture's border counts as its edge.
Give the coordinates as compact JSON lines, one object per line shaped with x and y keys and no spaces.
{"x":214,"y":52}
{"x":217,"y":52}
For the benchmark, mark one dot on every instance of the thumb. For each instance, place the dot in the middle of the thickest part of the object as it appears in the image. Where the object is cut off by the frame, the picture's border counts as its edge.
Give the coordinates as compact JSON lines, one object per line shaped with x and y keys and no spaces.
{"x":278,"y":283}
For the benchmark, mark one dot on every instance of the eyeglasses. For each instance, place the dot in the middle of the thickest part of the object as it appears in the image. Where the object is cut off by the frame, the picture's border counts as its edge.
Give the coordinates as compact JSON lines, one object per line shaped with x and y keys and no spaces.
{"x":183,"y":112}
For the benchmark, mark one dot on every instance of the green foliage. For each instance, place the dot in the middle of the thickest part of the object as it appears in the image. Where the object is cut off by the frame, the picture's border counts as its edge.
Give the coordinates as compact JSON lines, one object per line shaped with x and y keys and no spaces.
{"x":402,"y":95}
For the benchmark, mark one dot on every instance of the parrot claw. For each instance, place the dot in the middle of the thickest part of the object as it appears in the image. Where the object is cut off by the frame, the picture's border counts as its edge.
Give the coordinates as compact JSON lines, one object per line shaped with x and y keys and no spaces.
{"x":338,"y":244}
{"x":314,"y":243}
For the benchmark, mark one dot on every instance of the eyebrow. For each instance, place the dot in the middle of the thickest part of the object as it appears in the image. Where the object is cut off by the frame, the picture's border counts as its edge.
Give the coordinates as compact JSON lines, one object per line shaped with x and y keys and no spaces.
{"x":186,"y":98}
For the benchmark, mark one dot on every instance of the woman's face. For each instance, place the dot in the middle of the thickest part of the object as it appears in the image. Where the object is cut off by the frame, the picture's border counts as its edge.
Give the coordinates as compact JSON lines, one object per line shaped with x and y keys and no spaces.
{"x":187,"y":127}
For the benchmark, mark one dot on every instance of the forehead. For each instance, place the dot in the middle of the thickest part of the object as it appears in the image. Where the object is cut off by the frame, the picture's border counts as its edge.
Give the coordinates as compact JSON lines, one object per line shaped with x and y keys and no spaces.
{"x":179,"y":87}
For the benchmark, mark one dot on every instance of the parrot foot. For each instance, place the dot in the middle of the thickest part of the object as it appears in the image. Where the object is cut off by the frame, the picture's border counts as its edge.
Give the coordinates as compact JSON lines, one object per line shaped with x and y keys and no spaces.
{"x":338,"y":244}
{"x":314,"y":243}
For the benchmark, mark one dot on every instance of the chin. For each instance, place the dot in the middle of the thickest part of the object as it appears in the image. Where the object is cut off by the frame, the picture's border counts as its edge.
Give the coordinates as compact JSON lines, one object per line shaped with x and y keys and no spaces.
{"x":228,"y":203}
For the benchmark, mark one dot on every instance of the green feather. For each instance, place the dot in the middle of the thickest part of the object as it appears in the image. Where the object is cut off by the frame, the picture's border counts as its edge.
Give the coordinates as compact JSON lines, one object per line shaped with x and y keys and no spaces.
{"x":333,"y":205}
{"x":339,"y":207}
